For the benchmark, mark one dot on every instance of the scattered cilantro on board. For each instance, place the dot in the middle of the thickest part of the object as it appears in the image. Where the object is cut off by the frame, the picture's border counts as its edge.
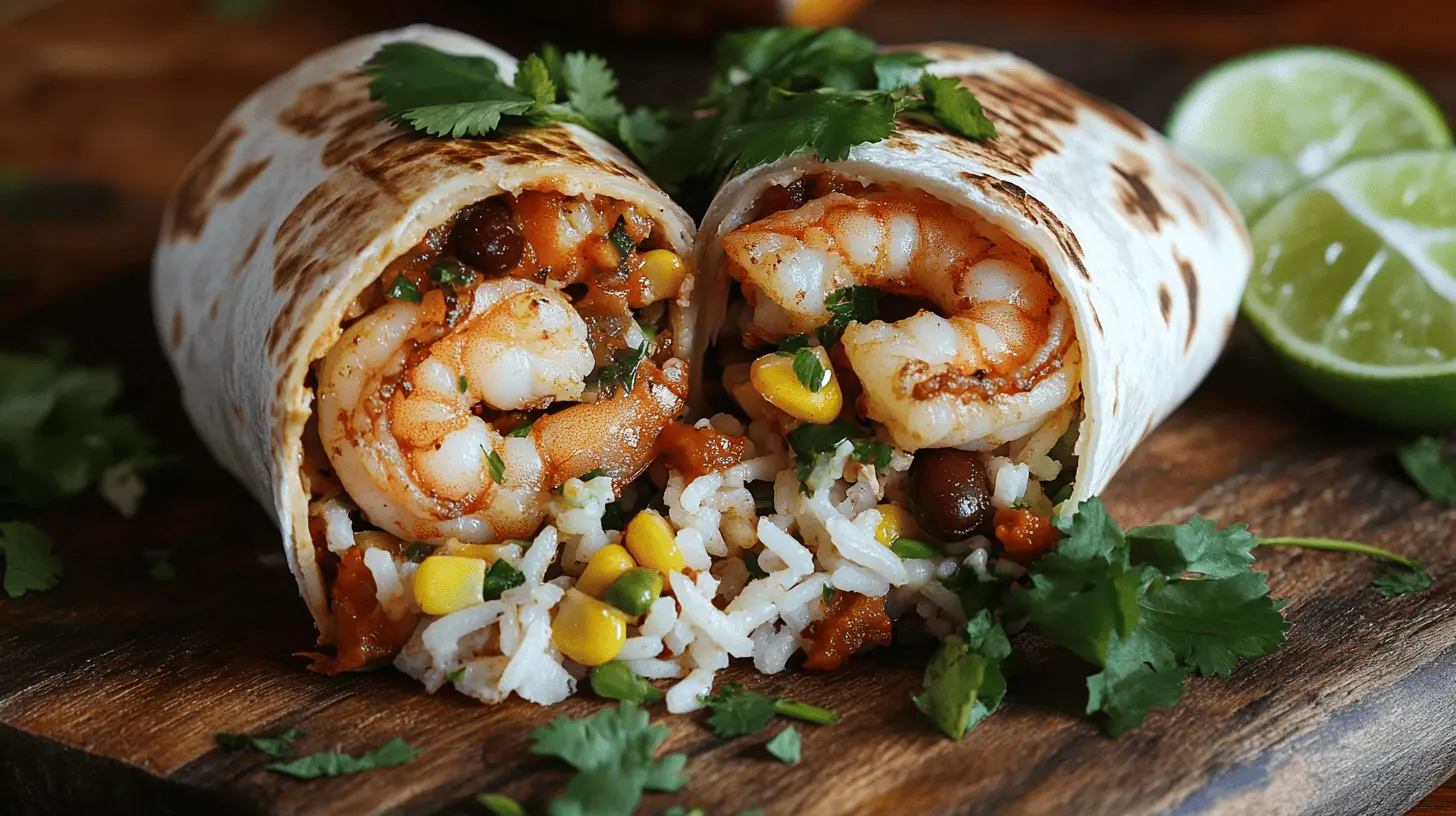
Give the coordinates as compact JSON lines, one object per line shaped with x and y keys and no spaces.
{"x":31,"y":563}
{"x":614,"y":754}
{"x":333,"y":763}
{"x":1422,"y":461}
{"x":734,"y":711}
{"x":279,"y":747}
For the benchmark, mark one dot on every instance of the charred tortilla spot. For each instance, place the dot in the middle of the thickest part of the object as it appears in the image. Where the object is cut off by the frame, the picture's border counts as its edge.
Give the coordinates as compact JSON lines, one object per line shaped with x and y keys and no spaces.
{"x":243,"y":178}
{"x":194,"y":200}
{"x":351,"y":137}
{"x":1118,"y":117}
{"x":212,"y":310}
{"x":1135,"y":194}
{"x":318,"y":106}
{"x":1190,"y":282}
{"x":250,"y":250}
{"x":1096,"y":320}
{"x":1036,"y":210}
{"x":177,"y":328}
{"x":1165,"y":303}
{"x":238,"y":411}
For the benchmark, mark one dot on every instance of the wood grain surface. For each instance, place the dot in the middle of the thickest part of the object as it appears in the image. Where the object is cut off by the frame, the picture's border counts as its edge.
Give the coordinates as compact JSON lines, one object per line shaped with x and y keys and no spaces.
{"x":113,"y":685}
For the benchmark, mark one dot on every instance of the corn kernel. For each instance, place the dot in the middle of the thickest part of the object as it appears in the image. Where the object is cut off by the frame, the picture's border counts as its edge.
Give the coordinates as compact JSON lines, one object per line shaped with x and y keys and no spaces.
{"x":587,"y":630}
{"x":449,"y":583}
{"x":659,"y":276}
{"x":774,"y":377}
{"x":650,"y":539}
{"x":604,"y":567}
{"x":895,"y":521}
{"x":485,"y":552}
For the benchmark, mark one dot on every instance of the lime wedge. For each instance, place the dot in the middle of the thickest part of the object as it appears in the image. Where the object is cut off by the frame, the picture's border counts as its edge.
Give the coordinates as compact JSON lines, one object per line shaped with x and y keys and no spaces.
{"x":1354,"y":285}
{"x":1264,"y":124}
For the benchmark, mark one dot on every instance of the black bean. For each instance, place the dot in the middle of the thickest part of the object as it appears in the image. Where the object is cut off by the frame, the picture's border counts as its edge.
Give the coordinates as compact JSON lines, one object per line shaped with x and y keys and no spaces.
{"x":486,"y":237}
{"x":951,"y":493}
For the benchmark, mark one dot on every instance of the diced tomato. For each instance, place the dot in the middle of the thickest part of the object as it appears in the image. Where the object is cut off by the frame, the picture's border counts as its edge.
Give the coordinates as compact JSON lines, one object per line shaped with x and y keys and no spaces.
{"x":366,"y":634}
{"x":694,"y":452}
{"x":851,"y":622}
{"x":1025,"y":535}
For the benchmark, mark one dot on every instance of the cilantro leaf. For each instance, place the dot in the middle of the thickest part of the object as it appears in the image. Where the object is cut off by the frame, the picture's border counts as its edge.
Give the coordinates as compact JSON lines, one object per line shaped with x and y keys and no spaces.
{"x":849,"y":304}
{"x":1197,"y":546}
{"x":964,"y":683}
{"x":622,"y":242}
{"x":786,"y":746}
{"x":1436,"y":477}
{"x":522,"y":431}
{"x":614,"y":680}
{"x":279,"y":747}
{"x":445,"y":94}
{"x":821,"y":122}
{"x":809,"y":370}
{"x":1392,"y":581}
{"x":622,"y":370}
{"x":404,"y":289}
{"x":614,"y":754}
{"x":899,"y":70}
{"x":502,"y":576}
{"x":332,"y":763}
{"x":750,"y":561}
{"x":500,"y":804}
{"x":31,"y":565}
{"x":159,"y":565}
{"x":60,"y":431}
{"x":791,"y":345}
{"x":736,"y":711}
{"x":956,"y":108}
{"x":497,"y":467}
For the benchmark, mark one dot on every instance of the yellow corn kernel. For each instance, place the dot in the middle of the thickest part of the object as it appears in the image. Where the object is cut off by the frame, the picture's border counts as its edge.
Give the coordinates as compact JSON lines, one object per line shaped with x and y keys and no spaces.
{"x":605,"y":566}
{"x":587,"y":630}
{"x":660,"y":275}
{"x":895,"y":521}
{"x":650,"y":539}
{"x":774,"y":377}
{"x":485,"y":552}
{"x":449,"y":583}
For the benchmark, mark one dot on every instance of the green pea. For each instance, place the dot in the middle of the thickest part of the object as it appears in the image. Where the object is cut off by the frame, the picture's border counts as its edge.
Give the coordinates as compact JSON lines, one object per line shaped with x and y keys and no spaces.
{"x":634,"y":590}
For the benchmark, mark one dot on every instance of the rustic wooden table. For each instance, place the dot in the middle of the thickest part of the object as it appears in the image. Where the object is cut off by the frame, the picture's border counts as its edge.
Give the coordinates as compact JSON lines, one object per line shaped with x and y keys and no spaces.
{"x":112,"y":685}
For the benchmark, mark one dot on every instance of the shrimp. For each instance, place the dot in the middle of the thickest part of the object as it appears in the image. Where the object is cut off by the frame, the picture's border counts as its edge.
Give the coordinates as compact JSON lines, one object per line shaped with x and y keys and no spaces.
{"x":996,"y":357}
{"x":397,"y":400}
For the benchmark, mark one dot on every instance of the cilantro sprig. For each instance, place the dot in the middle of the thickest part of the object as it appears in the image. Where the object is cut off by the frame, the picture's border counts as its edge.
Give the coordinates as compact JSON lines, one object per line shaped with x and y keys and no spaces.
{"x":1434,"y":475}
{"x":735,"y":711}
{"x":31,"y":563}
{"x":442,"y":94}
{"x":964,"y":683}
{"x":614,"y":754}
{"x":789,"y":91}
{"x":334,"y":763}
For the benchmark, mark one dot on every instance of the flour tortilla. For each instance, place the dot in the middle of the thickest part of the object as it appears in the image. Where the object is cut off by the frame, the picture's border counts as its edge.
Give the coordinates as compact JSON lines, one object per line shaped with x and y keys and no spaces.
{"x":293,"y":209}
{"x":1145,"y":247}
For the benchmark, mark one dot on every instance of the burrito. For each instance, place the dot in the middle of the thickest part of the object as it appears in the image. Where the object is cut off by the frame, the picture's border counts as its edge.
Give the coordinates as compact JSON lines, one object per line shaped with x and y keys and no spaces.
{"x":428,"y":358}
{"x":937,"y":346}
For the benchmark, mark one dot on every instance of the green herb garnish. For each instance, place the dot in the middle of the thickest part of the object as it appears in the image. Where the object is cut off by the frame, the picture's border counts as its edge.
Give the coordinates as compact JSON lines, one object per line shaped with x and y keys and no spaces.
{"x":809,"y":370}
{"x":964,"y":683}
{"x":814,"y":443}
{"x":791,"y":345}
{"x":502,"y":576}
{"x":790,"y":91}
{"x":31,"y":564}
{"x":279,"y":747}
{"x":159,"y":565}
{"x":500,"y":805}
{"x":497,"y":467}
{"x":455,"y":675}
{"x":594,"y":473}
{"x":913,"y":548}
{"x":463,"y":384}
{"x":404,"y":289}
{"x":1406,"y":574}
{"x":418,"y":551}
{"x":453,"y":95}
{"x":332,"y":763}
{"x":849,"y":304}
{"x":622,"y":370}
{"x":613,"y":753}
{"x":786,"y":746}
{"x":750,"y":561}
{"x":1435,"y":476}
{"x":449,"y":274}
{"x":521,"y":431}
{"x":614,"y":680}
{"x":622,"y":242}
{"x":736,"y":711}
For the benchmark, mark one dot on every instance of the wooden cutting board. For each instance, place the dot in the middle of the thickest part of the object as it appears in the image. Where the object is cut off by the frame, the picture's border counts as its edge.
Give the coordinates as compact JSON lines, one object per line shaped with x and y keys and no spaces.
{"x":112,"y":686}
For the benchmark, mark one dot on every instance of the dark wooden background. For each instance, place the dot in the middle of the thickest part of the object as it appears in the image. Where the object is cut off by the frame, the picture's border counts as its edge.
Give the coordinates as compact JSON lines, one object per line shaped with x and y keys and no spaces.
{"x":112,"y":686}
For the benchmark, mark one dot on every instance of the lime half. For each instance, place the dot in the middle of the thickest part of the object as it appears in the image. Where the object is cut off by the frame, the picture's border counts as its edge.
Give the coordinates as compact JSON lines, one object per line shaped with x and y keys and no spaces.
{"x":1264,"y":124}
{"x":1354,"y":284}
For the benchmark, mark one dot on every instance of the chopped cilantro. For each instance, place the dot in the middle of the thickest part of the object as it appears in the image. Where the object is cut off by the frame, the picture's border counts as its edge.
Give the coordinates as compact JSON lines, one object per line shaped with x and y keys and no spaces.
{"x":594,"y":473}
{"x":463,"y":384}
{"x":449,"y":273}
{"x":31,"y":564}
{"x":622,"y":370}
{"x":622,"y":242}
{"x":332,"y":763}
{"x":791,"y":345}
{"x":458,"y":96}
{"x":812,"y":443}
{"x":1436,"y":477}
{"x":404,"y":289}
{"x":455,"y":675}
{"x":964,"y":683}
{"x":1407,"y":574}
{"x":955,"y":107}
{"x":763,"y":497}
{"x":500,"y":805}
{"x":279,"y":747}
{"x":521,"y":431}
{"x":497,"y":467}
{"x":614,"y":680}
{"x":809,"y":370}
{"x":828,"y":592}
{"x":786,"y":746}
{"x":159,"y":565}
{"x":418,"y":551}
{"x":750,"y":560}
{"x":502,"y":576}
{"x":913,"y":548}
{"x":736,"y":711}
{"x":613,"y":752}
{"x":60,"y":431}
{"x":846,"y":305}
